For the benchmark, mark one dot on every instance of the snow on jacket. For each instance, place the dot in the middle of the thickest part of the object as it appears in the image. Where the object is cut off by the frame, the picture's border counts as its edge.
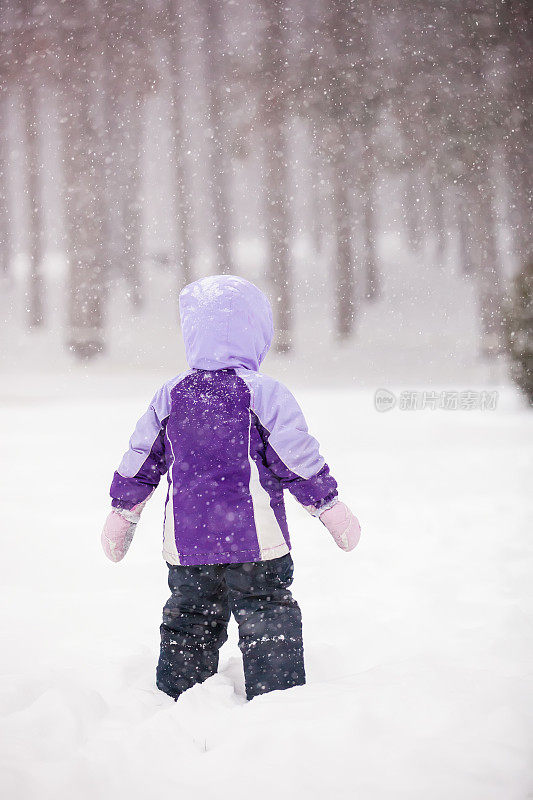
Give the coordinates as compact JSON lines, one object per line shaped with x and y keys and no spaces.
{"x":230,"y":438}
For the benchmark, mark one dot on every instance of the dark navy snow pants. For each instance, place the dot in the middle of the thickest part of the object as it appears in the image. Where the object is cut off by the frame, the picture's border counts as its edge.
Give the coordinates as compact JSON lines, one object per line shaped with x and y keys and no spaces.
{"x":196,"y":616}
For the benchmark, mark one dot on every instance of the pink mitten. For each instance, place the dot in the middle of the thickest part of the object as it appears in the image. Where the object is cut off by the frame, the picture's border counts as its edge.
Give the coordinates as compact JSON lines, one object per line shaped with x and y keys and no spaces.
{"x":119,"y":529}
{"x":342,"y":524}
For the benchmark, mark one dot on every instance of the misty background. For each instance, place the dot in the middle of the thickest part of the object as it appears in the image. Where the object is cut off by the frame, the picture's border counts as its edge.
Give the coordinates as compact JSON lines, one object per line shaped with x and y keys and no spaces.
{"x":367,"y":164}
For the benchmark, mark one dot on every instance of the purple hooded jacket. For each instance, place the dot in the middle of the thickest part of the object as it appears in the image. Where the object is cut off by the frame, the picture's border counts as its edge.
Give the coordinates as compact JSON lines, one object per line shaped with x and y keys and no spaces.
{"x":230,"y":438}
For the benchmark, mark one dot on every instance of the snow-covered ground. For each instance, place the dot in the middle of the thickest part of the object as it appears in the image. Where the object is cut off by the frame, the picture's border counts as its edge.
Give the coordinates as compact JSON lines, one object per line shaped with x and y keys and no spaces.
{"x":419,"y":644}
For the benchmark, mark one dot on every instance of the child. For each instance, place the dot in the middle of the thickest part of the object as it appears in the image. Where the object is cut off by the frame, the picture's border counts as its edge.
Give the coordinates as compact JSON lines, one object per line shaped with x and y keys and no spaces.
{"x":231,"y":440}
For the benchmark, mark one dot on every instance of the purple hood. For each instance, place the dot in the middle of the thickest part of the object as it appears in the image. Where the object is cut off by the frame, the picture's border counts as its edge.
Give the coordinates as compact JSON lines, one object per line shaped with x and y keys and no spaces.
{"x":226,"y":322}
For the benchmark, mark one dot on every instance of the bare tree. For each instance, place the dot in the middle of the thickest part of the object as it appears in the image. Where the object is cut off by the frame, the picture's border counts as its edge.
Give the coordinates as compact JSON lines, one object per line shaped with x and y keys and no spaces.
{"x":32,"y":34}
{"x":183,"y":217}
{"x":277,"y":223}
{"x":5,"y":221}
{"x":319,"y":199}
{"x":128,"y":77}
{"x":367,"y":181}
{"x":488,"y":269}
{"x":219,"y":166}
{"x":34,"y":193}
{"x":478,"y":32}
{"x":338,"y":87}
{"x":132,"y":196}
{"x":83,"y":180}
{"x":516,"y":54}
{"x":343,"y":225}
{"x":304,"y":85}
{"x":111,"y":152}
{"x":437,"y":201}
{"x":464,"y":212}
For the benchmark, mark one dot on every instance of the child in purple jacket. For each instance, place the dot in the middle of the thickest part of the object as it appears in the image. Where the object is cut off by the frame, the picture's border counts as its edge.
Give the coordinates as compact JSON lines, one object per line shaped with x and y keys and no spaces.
{"x":230,"y":440}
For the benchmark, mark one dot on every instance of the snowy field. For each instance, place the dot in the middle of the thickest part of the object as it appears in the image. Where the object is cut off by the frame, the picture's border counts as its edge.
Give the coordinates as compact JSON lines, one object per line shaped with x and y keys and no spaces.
{"x":419,"y":644}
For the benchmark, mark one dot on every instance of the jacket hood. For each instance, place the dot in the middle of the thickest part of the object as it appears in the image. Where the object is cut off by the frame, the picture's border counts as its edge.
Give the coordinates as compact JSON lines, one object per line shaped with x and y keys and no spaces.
{"x":226,"y":322}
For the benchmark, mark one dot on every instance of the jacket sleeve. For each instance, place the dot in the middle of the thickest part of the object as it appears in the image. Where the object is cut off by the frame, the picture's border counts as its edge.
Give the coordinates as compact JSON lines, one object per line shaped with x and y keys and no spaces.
{"x":145,"y":461}
{"x":291,"y":453}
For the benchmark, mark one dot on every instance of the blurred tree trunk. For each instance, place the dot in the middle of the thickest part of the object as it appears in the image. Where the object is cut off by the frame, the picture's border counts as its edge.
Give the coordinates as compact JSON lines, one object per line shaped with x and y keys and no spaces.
{"x":111,"y":158}
{"x":305,"y":73}
{"x":480,"y":35}
{"x":438,"y":211}
{"x":31,"y":35}
{"x":343,"y":223}
{"x":82,"y":185}
{"x":219,"y":167}
{"x":132,"y":127}
{"x":371,"y":102}
{"x":5,"y":220}
{"x":34,"y":192}
{"x":516,"y":26}
{"x":277,"y":219}
{"x":318,"y":199}
{"x":519,"y":158}
{"x":183,"y":213}
{"x":412,"y":208}
{"x":367,"y":179}
{"x":343,"y":108}
{"x":278,"y":229}
{"x":463,"y":219}
{"x":488,"y":269}
{"x":128,"y":76}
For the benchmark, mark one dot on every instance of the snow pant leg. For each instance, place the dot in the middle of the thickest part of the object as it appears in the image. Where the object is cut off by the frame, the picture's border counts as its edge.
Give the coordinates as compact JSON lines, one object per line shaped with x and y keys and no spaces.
{"x":270,"y":624}
{"x":195,"y":621}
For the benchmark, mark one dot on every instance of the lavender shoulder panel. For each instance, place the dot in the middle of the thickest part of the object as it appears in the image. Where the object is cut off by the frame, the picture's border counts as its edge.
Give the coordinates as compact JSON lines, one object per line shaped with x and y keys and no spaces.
{"x":290,"y":452}
{"x":281,"y":416}
{"x":128,"y":492}
{"x":145,"y":460}
{"x":148,"y":429}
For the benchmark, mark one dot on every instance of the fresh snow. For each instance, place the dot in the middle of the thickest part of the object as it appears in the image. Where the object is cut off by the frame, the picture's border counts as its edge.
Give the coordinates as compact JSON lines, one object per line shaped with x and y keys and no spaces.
{"x":418,"y":644}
